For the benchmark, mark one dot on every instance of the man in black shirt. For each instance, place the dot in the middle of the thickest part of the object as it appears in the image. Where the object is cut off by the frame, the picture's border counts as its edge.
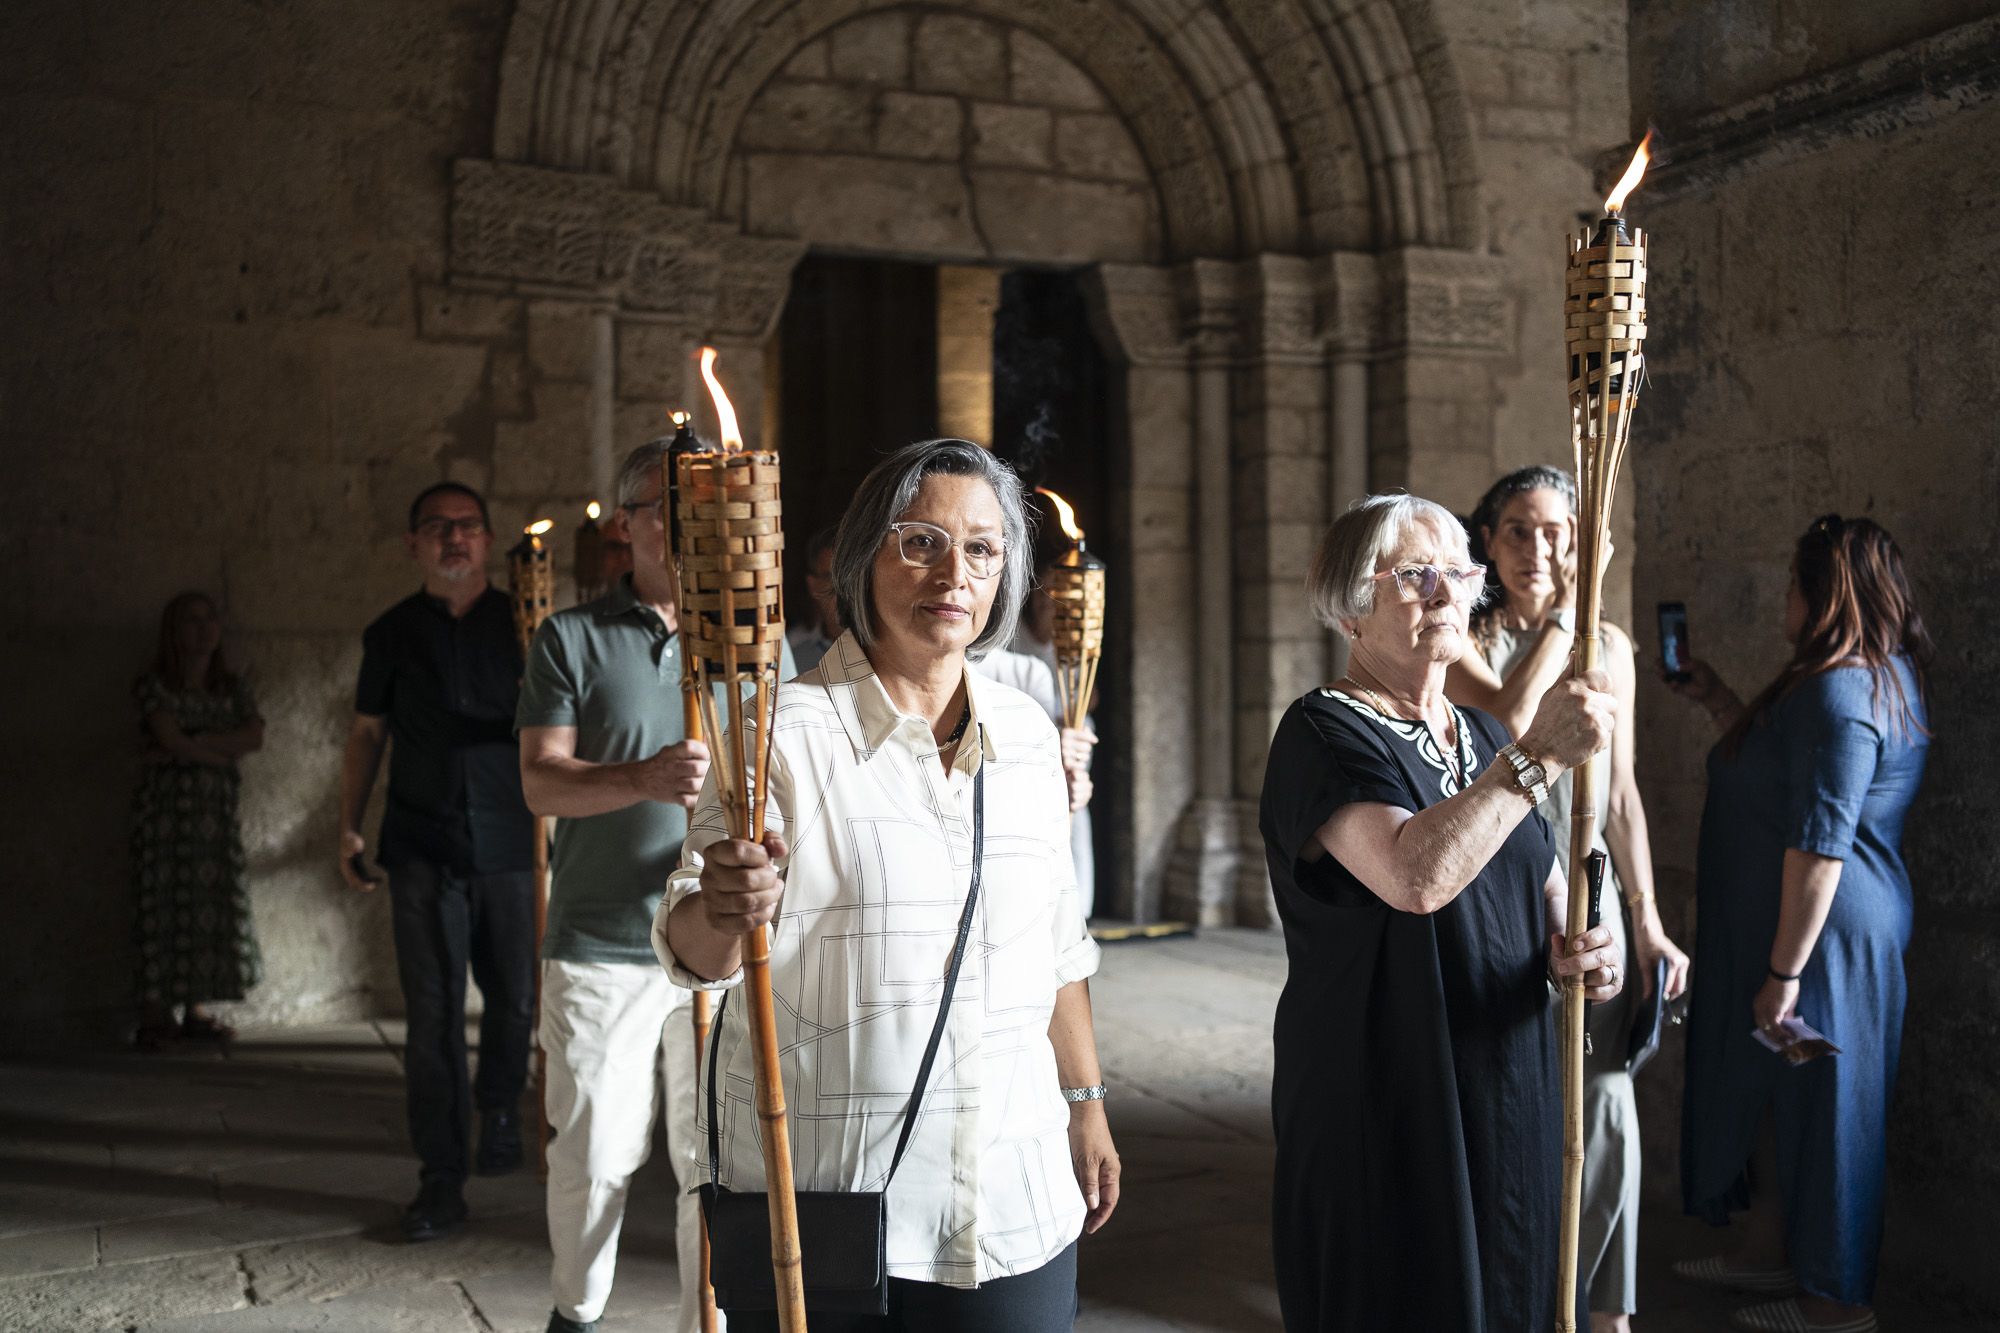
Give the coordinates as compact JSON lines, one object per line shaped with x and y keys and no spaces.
{"x":440,"y":676}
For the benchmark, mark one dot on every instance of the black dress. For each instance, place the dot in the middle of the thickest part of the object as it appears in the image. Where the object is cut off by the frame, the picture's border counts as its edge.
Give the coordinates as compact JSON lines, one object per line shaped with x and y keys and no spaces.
{"x":1415,"y":1095}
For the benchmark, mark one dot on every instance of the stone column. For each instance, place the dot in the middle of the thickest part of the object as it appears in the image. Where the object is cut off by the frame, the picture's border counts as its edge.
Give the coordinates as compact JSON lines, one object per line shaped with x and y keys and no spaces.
{"x":603,"y":405}
{"x":1202,"y":878}
{"x":967,"y":300}
{"x":1136,"y":315}
{"x":1431,"y":394}
{"x":1350,"y":309}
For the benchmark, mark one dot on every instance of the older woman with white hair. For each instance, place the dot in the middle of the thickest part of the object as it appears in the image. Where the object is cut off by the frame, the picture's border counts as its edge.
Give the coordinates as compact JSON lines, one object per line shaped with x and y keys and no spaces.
{"x":1415,"y":1092}
{"x":919,"y":817}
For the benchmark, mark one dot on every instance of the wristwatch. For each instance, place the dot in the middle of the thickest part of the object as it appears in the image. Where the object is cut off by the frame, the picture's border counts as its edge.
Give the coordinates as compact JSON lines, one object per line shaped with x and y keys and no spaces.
{"x":1529,"y":775}
{"x":1563,"y":618}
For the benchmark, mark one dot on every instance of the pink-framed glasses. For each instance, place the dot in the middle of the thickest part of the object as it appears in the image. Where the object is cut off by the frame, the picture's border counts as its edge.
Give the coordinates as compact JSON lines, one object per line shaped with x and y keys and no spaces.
{"x":1419,"y":583}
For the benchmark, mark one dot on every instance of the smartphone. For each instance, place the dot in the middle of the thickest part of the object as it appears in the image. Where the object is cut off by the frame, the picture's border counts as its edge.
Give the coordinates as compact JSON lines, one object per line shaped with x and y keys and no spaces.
{"x":1674,"y":640}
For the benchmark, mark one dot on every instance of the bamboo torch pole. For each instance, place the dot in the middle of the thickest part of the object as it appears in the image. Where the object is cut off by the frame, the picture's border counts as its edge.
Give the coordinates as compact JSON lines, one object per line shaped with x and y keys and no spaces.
{"x":1604,"y":309}
{"x":532,"y":569}
{"x":685,"y":444}
{"x":733,"y":613}
{"x":1076,"y":584}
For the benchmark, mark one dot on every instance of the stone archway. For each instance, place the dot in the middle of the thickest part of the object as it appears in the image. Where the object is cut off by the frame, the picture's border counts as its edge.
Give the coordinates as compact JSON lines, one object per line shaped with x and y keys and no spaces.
{"x":1266,"y":194}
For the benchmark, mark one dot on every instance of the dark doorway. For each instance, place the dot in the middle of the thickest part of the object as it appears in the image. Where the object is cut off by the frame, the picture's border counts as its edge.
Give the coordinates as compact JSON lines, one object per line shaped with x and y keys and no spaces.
{"x":1052,"y":411}
{"x":856,"y":375}
{"x":856,"y":378}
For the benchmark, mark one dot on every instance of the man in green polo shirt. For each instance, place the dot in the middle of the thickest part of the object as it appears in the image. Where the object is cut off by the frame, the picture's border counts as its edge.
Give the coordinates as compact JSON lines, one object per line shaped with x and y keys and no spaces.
{"x":603,"y":750}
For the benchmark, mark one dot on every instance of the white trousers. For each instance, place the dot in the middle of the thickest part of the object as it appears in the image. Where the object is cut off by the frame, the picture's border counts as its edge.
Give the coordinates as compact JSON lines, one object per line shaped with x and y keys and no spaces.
{"x":620,"y":1043}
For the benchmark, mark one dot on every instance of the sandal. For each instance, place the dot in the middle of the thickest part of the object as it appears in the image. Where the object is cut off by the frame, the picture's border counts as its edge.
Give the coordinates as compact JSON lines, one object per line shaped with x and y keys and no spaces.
{"x":203,"y":1028}
{"x":1786,"y":1317}
{"x":1717,"y":1271}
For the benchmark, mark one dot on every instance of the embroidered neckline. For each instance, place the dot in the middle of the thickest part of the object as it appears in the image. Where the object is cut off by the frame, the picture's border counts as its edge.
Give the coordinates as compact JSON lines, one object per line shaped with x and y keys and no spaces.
{"x":1426,"y":744}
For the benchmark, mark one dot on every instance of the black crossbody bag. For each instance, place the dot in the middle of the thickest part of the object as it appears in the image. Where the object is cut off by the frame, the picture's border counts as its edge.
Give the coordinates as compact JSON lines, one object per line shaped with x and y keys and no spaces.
{"x":843,"y":1237}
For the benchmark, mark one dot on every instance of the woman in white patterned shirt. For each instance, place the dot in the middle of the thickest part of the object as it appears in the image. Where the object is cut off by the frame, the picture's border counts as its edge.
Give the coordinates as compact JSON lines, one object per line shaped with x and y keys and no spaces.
{"x":879,"y":757}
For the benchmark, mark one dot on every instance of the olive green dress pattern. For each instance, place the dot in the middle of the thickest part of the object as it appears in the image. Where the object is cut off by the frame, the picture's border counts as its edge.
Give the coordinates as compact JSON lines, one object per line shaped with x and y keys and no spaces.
{"x":193,"y":927}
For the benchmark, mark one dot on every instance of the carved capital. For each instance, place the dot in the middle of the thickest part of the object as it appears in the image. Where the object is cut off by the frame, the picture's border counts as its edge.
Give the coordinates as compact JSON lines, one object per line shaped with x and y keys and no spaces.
{"x":1136,"y":308}
{"x":1442,"y":301}
{"x":586,"y":234}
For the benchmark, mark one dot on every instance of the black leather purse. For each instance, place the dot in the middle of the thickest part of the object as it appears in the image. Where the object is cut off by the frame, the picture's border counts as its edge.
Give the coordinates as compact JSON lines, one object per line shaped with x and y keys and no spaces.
{"x":843,"y":1237}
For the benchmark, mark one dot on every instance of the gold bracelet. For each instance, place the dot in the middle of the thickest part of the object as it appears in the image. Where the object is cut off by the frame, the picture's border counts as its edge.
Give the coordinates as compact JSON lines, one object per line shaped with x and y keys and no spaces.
{"x":1638,"y":899}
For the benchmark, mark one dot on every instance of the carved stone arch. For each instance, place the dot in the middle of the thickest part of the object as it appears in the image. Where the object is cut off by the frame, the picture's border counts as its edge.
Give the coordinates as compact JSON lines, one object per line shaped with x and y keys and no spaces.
{"x":1259,"y":121}
{"x":1147,"y":86}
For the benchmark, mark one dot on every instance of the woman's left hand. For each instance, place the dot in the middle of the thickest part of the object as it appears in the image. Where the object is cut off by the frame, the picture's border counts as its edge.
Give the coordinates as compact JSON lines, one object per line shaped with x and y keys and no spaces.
{"x":1095,"y":1161}
{"x":1595,"y":959}
{"x":1776,"y":1001}
{"x":1652,"y":945}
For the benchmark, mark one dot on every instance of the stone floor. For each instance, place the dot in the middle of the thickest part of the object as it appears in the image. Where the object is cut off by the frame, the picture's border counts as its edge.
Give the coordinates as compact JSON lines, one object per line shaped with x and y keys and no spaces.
{"x":257,"y":1191}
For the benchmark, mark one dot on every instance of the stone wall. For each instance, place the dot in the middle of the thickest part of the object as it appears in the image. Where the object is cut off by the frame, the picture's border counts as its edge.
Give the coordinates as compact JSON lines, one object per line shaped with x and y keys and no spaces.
{"x":969,"y":138}
{"x":213,"y":217}
{"x":1826,"y":262}
{"x":274,"y":268}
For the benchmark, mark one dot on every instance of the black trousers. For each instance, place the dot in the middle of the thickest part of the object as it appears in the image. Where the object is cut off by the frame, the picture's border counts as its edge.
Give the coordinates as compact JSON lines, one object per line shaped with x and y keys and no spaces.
{"x":1041,"y":1301}
{"x":444,"y":921}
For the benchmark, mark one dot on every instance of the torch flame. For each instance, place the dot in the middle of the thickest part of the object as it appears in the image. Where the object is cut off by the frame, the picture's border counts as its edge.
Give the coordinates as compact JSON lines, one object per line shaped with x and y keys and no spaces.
{"x":1064,"y":514}
{"x":592,"y":510}
{"x":1626,"y":183}
{"x":539,"y":526}
{"x":725,"y":415}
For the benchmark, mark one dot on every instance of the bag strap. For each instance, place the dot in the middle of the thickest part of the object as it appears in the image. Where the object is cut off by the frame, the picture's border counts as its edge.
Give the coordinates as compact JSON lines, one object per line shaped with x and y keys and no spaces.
{"x":937,"y":1028}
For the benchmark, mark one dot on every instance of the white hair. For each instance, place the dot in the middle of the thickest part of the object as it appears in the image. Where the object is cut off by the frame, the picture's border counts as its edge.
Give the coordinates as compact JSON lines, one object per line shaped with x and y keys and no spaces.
{"x":1341,"y":582}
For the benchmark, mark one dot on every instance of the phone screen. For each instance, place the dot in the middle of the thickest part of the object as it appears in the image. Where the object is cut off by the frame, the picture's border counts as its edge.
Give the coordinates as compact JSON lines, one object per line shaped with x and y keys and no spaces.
{"x":1674,"y":639}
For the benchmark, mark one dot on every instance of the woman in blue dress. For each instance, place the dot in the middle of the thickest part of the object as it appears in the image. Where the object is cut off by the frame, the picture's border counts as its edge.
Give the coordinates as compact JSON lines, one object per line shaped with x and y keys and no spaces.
{"x":1804,"y":910}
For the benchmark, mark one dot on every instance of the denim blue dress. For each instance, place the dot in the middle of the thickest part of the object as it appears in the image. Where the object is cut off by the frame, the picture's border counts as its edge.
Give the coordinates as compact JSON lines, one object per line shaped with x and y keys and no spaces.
{"x":1832,"y":772}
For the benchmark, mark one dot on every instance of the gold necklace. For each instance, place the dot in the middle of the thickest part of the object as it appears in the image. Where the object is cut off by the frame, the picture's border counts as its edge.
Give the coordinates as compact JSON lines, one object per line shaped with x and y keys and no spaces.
{"x":1447,"y":751}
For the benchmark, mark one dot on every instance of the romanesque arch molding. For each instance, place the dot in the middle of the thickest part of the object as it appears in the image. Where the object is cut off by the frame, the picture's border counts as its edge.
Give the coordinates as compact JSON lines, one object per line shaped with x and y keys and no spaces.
{"x":1283,"y":126}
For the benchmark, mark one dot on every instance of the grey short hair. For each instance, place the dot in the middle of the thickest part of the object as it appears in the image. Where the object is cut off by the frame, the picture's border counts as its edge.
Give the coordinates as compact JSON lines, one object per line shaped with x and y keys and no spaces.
{"x":887,"y":493}
{"x":1341,"y":582}
{"x":640,"y":466}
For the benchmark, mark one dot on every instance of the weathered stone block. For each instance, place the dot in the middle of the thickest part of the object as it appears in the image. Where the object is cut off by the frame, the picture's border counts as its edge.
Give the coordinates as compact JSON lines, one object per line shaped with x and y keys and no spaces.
{"x":868,"y":202}
{"x":1027,"y":215}
{"x":810,"y":117}
{"x":922,"y":125}
{"x":446,"y":314}
{"x":509,"y":393}
{"x":873,"y":49}
{"x":387,"y":390}
{"x":1097,"y":146}
{"x":1539,"y":77}
{"x":1011,"y":136}
{"x":657,"y":361}
{"x":562,"y":340}
{"x":957,"y":54}
{"x":546,"y":454}
{"x":1039,"y":75}
{"x":1520,"y":122}
{"x":809,"y":62}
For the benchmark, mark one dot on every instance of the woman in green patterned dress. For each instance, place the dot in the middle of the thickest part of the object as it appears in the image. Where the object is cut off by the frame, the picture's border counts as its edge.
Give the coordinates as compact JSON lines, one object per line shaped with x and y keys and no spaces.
{"x":193,"y":929}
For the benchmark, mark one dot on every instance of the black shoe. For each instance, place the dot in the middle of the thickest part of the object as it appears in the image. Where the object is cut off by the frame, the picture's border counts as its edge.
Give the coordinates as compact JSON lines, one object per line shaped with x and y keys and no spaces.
{"x":561,"y":1323}
{"x":438,"y":1209}
{"x":499,"y":1143}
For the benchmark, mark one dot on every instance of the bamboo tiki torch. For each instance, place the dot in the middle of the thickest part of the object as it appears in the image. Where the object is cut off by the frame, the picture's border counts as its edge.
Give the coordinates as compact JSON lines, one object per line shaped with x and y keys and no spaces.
{"x":532,"y":568}
{"x":588,"y":564}
{"x":1604,"y":306}
{"x":1076,"y":584}
{"x":732,"y":611}
{"x":686,"y":443}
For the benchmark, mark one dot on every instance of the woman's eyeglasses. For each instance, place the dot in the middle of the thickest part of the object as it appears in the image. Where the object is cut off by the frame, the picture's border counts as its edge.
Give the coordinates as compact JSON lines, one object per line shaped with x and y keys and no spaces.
{"x":925,"y":545}
{"x":1419,"y":583}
